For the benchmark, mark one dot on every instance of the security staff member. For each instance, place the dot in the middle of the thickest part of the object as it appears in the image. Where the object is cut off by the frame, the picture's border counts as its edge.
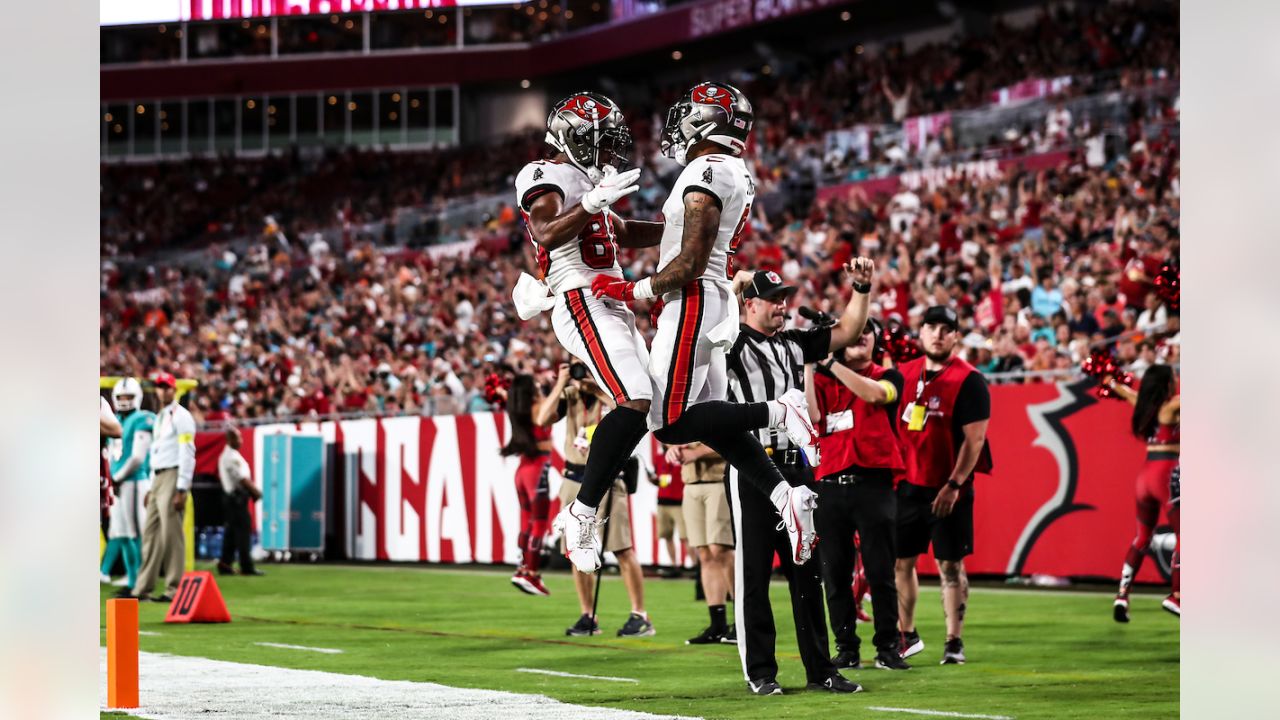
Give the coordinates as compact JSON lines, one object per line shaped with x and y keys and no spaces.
{"x":238,"y":492}
{"x":943,"y":427}
{"x":853,"y":404}
{"x":766,"y":362}
{"x":173,"y":464}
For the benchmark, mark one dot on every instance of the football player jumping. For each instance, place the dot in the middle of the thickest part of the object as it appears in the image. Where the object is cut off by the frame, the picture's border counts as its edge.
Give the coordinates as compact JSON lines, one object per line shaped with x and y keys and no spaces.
{"x":565,"y":202}
{"x":706,"y":132}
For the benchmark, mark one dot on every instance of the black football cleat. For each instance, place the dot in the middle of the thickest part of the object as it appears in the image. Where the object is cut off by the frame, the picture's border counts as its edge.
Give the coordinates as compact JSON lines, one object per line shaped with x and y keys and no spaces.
{"x":837,"y":684}
{"x":710,"y":636}
{"x":1120,"y":609}
{"x":731,"y":635}
{"x":911,"y":644}
{"x":768,"y":686}
{"x":888,"y":660}
{"x":848,"y":660}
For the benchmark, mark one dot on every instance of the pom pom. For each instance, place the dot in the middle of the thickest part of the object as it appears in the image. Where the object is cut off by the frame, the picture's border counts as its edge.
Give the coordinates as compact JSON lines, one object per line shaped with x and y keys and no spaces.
{"x":492,"y":384}
{"x":1168,"y":286}
{"x":1126,"y":378}
{"x":899,"y":344}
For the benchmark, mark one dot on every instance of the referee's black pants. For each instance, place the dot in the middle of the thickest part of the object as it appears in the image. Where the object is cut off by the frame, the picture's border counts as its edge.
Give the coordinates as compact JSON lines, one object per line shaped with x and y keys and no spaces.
{"x":235,"y":538}
{"x":868,"y":507}
{"x":755,"y":525}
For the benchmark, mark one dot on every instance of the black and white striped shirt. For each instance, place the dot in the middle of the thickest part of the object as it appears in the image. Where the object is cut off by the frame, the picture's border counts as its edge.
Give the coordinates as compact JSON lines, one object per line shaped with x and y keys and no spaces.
{"x":763,"y":367}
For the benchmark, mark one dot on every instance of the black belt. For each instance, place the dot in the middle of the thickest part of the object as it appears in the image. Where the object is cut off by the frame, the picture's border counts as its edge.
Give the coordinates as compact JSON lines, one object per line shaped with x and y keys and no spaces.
{"x":851,"y":479}
{"x":790,"y":456}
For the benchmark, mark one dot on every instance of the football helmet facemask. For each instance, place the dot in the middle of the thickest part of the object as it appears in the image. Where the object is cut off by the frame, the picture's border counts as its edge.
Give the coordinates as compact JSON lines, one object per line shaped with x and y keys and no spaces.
{"x":709,"y":111}
{"x":590,"y":130}
{"x":126,"y":395}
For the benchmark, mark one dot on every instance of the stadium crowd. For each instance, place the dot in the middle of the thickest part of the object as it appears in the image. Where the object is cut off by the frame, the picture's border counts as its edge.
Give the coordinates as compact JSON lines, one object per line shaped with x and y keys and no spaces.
{"x":1041,"y":265}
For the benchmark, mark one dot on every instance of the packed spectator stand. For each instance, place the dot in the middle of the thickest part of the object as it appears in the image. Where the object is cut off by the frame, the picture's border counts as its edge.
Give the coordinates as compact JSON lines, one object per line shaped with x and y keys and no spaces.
{"x":309,"y":285}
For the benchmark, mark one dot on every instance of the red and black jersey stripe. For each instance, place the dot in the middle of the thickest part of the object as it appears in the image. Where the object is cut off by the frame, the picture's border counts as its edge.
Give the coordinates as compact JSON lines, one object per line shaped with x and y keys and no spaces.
{"x":590,"y":334}
{"x":680,"y":373}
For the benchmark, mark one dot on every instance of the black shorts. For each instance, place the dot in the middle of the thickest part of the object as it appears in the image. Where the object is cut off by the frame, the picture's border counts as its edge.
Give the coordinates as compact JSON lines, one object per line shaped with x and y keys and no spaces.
{"x":917,"y":526}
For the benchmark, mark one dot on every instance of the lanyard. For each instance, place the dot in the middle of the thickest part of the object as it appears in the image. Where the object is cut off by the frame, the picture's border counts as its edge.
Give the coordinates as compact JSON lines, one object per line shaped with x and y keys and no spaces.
{"x":920,"y":382}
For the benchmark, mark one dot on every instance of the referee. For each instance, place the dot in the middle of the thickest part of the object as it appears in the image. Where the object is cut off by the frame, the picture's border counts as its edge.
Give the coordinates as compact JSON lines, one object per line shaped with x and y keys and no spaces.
{"x":764,"y":363}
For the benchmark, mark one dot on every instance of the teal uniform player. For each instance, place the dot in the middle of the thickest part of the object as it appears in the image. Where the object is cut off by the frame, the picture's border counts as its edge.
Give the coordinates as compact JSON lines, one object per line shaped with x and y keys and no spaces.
{"x":130,"y":464}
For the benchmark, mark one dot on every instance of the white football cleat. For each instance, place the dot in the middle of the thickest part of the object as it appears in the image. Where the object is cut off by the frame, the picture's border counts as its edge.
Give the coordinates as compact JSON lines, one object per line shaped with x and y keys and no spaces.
{"x":795,"y":421}
{"x":104,"y":578}
{"x":797,"y":518}
{"x":122,"y":582}
{"x":581,"y":539}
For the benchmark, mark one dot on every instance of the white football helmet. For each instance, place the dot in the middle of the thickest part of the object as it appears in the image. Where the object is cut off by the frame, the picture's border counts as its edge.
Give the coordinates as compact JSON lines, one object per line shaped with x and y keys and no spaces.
{"x":126,"y":396}
{"x":590,"y":130}
{"x":709,"y":111}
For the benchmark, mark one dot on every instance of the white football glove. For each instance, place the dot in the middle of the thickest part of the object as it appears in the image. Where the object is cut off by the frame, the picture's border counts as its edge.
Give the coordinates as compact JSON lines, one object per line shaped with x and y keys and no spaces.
{"x":612,"y":187}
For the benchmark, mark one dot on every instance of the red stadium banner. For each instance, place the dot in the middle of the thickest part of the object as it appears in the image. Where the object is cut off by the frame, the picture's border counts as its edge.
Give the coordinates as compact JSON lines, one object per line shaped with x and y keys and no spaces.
{"x":930,"y":178}
{"x":1060,"y":500}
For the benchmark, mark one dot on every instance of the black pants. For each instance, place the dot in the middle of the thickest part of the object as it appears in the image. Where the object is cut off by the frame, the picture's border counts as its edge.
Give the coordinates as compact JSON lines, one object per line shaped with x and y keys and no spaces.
{"x":868,"y":507}
{"x":758,"y":538}
{"x":236,"y":536}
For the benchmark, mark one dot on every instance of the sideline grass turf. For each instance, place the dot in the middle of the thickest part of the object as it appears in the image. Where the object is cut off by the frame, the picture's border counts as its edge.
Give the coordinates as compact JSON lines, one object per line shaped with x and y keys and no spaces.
{"x":1032,"y":654}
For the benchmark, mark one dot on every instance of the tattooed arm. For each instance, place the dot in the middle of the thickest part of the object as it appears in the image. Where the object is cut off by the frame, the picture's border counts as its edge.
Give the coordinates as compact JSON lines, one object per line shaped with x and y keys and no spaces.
{"x":701,"y":223}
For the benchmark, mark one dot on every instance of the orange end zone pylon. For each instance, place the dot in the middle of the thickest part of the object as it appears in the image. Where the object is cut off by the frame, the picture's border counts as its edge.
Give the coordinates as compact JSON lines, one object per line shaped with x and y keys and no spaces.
{"x":122,"y":653}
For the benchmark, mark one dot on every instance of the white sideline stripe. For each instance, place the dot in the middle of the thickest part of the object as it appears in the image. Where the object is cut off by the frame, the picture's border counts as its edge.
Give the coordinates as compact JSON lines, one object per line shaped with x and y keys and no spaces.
{"x":939,"y":713}
{"x":557,"y":673}
{"x":284,"y":646}
{"x":175,"y":687}
{"x":149,"y":632}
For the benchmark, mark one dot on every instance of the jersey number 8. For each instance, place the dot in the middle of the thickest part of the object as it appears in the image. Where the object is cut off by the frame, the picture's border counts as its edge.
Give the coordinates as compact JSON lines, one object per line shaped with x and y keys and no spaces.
{"x":596,"y":243}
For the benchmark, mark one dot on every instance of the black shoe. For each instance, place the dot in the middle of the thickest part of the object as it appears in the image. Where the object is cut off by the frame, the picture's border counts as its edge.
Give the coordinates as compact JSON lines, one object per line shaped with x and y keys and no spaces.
{"x":730,"y":636}
{"x":161,"y":599}
{"x":637,"y":626}
{"x":889,"y":660}
{"x":837,"y":684}
{"x":911,"y":644}
{"x":953,"y":652}
{"x":698,"y":594}
{"x":585,"y":626}
{"x":848,"y":659}
{"x":1120,"y":609}
{"x":225,"y":568}
{"x":764,"y":687}
{"x":669,"y":573}
{"x":253,"y":571}
{"x":710,"y":636}
{"x":124,"y":594}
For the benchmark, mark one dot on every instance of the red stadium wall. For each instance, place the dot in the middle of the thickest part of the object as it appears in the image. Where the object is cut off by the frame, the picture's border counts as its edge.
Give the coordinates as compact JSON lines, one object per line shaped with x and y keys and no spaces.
{"x":1059,"y":501}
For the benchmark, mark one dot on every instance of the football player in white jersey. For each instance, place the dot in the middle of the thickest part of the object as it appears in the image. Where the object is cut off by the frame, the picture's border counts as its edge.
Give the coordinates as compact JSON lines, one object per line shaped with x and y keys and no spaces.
{"x":710,"y":205}
{"x":565,"y":202}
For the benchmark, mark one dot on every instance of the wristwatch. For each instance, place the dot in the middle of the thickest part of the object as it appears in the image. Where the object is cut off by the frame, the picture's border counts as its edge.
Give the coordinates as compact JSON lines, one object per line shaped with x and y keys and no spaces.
{"x":953,"y":484}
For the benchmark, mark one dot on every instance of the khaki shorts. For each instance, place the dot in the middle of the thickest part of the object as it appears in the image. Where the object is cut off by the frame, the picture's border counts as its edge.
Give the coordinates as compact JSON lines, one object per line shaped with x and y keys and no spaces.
{"x":706,"y":515}
{"x":619,"y":524}
{"x":670,"y":522}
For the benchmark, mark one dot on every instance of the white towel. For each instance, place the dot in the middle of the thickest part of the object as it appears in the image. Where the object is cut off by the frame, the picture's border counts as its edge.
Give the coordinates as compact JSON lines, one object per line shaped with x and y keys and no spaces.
{"x":531,"y":297}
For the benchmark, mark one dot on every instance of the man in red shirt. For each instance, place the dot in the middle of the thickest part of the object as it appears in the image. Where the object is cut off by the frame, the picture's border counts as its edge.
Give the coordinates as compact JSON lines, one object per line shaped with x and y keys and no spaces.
{"x":670,"y":515}
{"x":853,"y":404}
{"x":943,"y":427}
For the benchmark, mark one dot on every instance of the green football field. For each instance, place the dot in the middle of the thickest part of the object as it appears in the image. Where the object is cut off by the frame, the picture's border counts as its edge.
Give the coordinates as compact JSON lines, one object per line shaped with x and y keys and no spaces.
{"x":1032,"y":654}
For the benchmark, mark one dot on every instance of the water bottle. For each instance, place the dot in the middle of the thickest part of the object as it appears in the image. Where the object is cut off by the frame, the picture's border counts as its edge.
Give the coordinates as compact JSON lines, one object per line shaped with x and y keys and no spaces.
{"x":202,"y":544}
{"x":215,"y":542}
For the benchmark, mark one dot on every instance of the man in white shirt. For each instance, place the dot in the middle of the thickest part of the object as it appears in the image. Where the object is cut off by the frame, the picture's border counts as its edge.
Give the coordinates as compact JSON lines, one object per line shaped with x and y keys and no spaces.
{"x":238,"y":491}
{"x":173,"y":465}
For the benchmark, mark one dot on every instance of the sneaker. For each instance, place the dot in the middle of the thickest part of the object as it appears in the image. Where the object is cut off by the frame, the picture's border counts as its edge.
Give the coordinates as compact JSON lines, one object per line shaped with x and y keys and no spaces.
{"x":1120,"y":610}
{"x":797,"y":519}
{"x":861,"y":614}
{"x":889,"y":660}
{"x":848,"y":660}
{"x":530,"y":583}
{"x":581,"y":539}
{"x":768,"y":686}
{"x":911,"y":644}
{"x":698,"y":592}
{"x":637,"y":626}
{"x":122,"y":582}
{"x":837,"y":684}
{"x":669,"y":573}
{"x":1173,"y":604}
{"x":953,"y":652}
{"x":104,"y":579}
{"x":710,"y":636}
{"x":730,"y":636}
{"x":795,"y":421}
{"x":160,"y":599}
{"x":585,"y":627}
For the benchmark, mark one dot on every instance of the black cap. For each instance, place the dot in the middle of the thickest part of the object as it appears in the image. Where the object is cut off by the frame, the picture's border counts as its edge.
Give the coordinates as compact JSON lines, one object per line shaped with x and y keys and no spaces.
{"x":941,"y":315}
{"x":768,"y":285}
